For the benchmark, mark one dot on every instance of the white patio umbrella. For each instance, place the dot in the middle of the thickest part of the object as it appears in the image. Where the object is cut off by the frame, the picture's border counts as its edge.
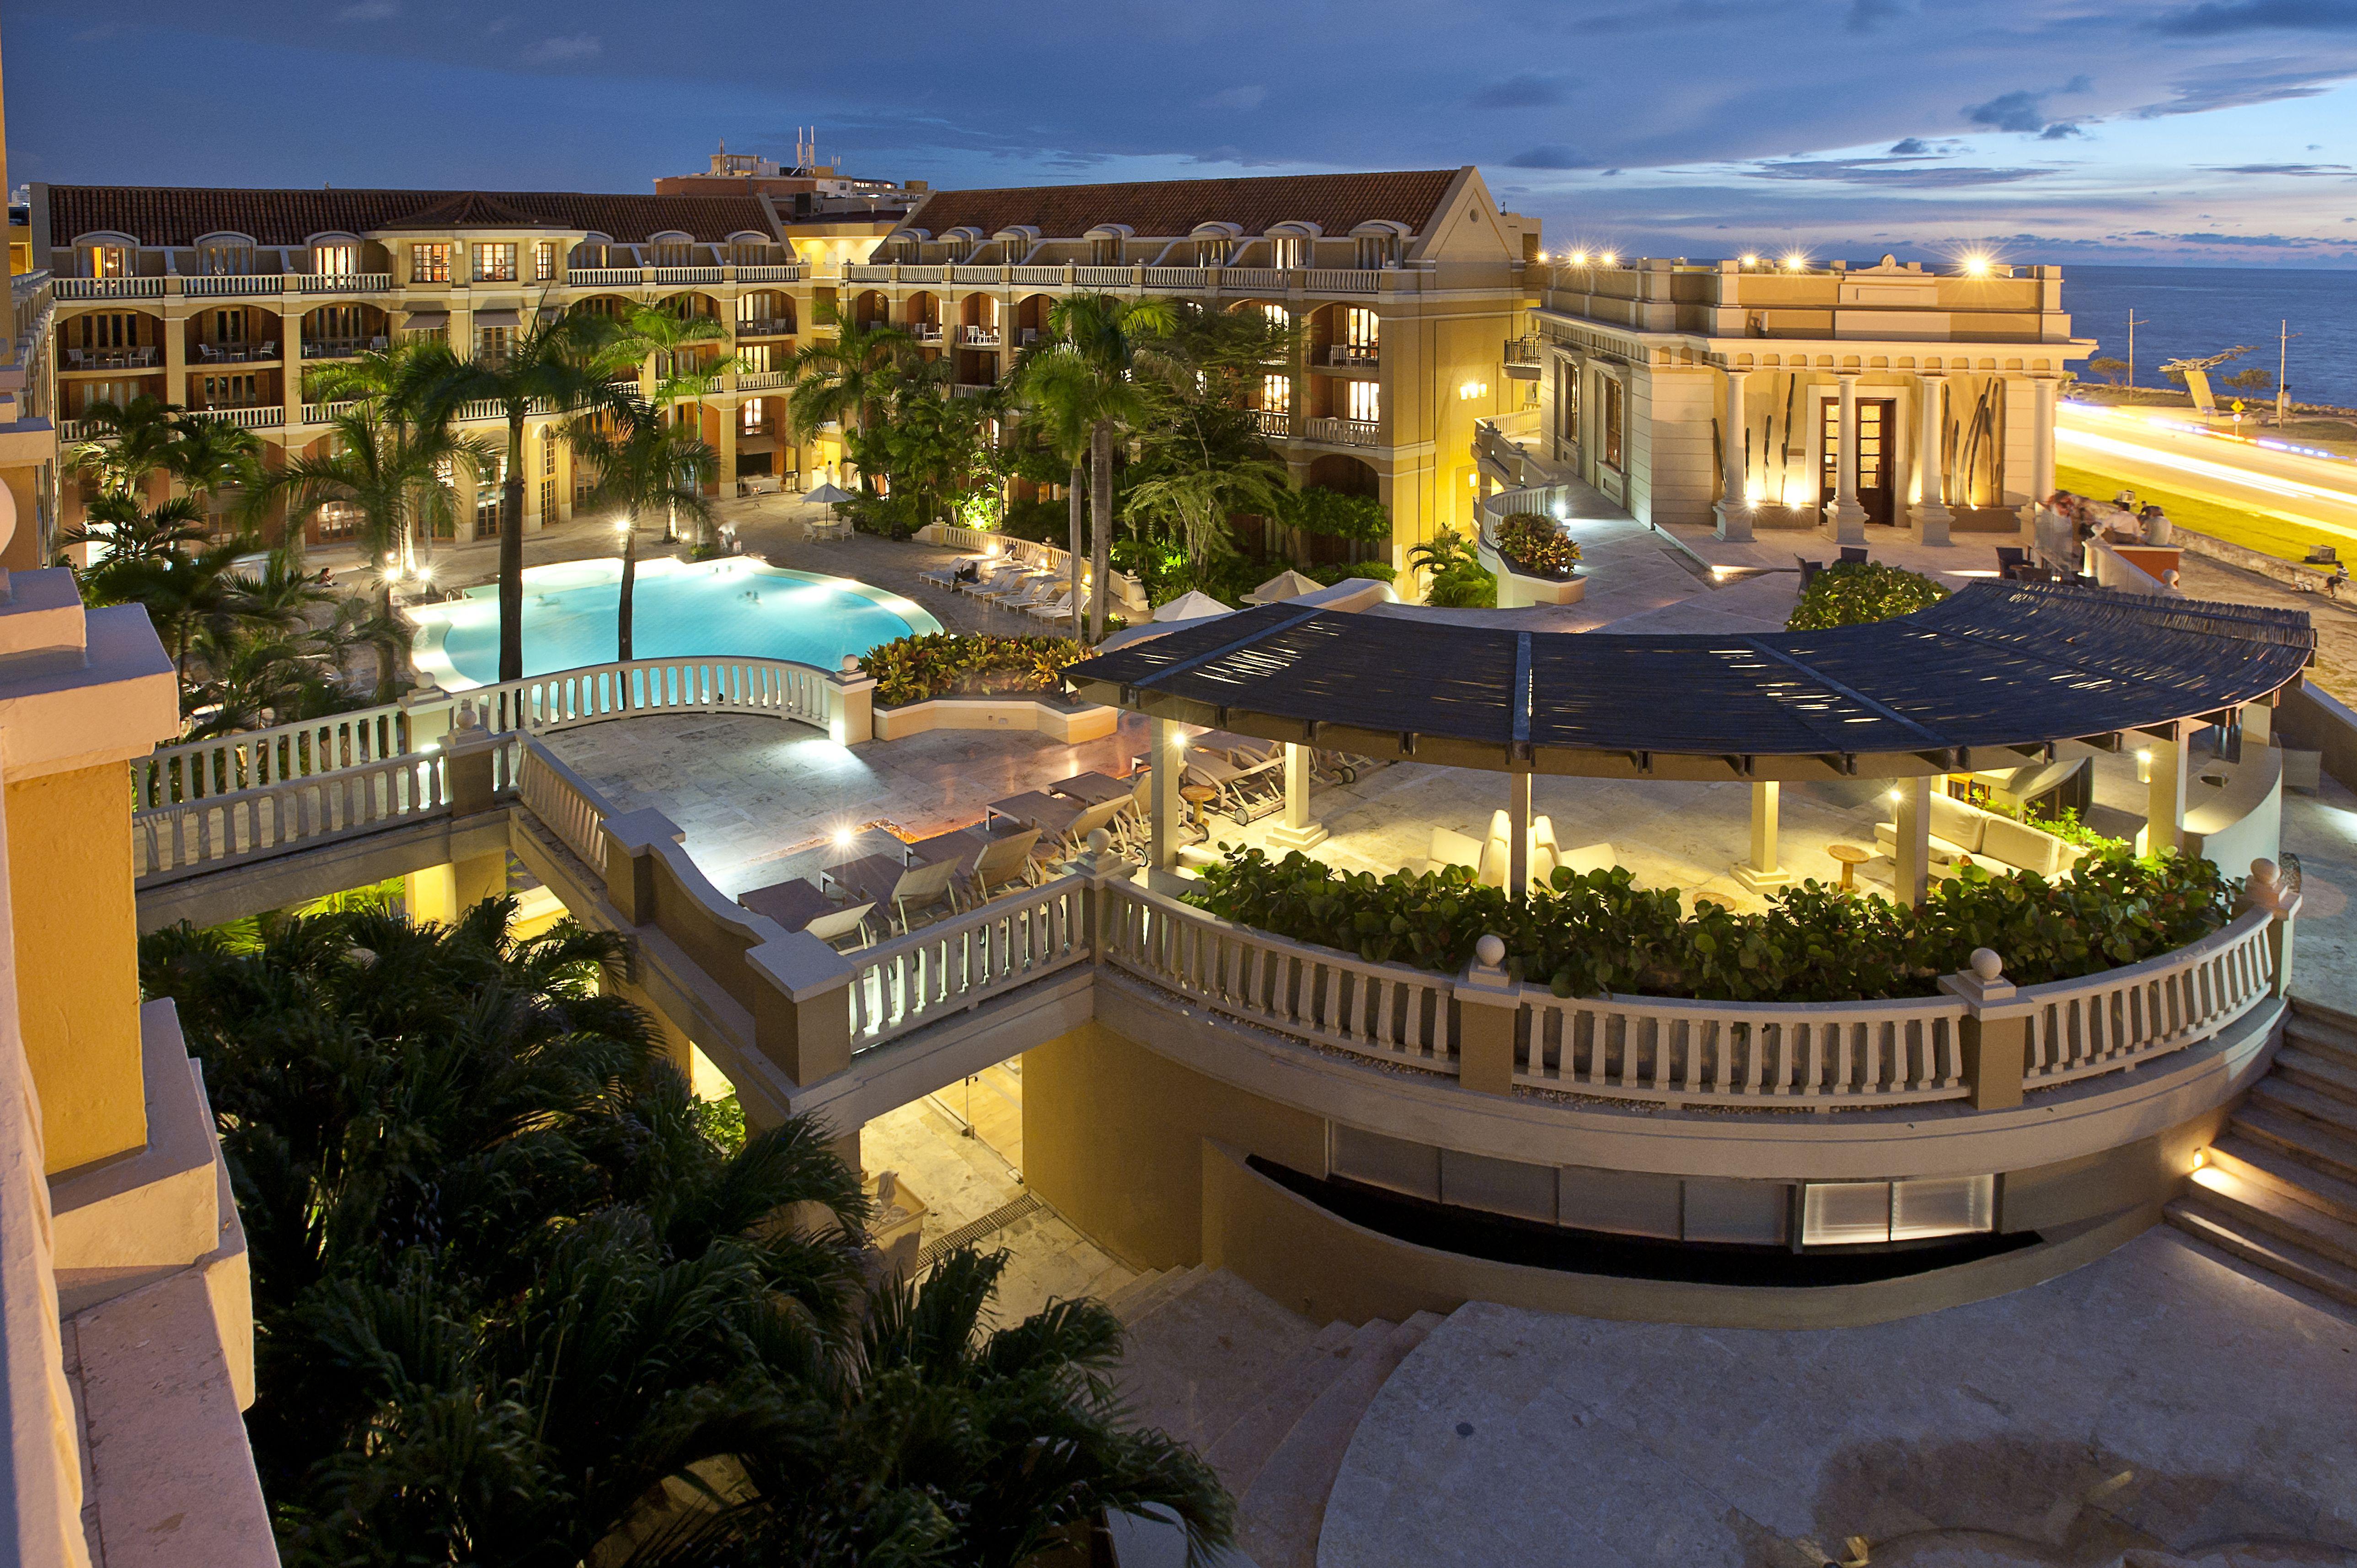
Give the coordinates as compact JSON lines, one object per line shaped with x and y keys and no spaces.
{"x":1287,"y":585}
{"x":1192,"y":604}
{"x":828,"y":493}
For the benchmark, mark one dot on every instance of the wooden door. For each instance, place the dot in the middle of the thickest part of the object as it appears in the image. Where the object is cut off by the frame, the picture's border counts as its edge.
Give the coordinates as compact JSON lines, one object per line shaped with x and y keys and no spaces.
{"x":1877,"y":455}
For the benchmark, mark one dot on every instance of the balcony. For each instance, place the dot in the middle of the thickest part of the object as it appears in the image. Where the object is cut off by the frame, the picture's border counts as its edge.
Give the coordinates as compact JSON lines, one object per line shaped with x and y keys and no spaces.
{"x":1353,"y":356}
{"x":234,"y":286}
{"x":925,"y":331}
{"x":235,"y":354}
{"x":759,"y":381}
{"x":344,"y":283}
{"x":790,"y":273}
{"x":606,"y":277}
{"x":676,"y":276}
{"x":978,"y":336}
{"x":1279,"y":425}
{"x":339,"y":348}
{"x":109,"y":288}
{"x":247,"y":416}
{"x":112,"y":359}
{"x":765,"y":328}
{"x":1343,"y":431}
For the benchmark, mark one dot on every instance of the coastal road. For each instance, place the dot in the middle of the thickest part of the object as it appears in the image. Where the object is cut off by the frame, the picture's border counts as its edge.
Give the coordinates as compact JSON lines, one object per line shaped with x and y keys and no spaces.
{"x":2165,"y":450}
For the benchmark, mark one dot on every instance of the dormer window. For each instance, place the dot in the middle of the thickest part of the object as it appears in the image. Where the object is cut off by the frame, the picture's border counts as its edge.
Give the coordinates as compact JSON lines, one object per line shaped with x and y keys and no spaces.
{"x":1377,"y":251}
{"x":106,"y":261}
{"x":224,"y":258}
{"x":674,"y":254}
{"x":1288,"y":251}
{"x":1105,"y":252}
{"x":336,"y":261}
{"x":1212,"y":250}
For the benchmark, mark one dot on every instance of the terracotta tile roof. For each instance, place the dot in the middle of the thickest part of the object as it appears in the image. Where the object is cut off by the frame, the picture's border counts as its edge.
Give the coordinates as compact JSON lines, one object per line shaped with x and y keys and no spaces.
{"x":1337,"y":203}
{"x":178,"y":215}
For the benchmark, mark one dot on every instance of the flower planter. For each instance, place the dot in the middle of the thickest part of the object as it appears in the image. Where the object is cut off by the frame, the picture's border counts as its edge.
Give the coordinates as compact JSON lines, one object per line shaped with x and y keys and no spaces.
{"x":1067,"y":722}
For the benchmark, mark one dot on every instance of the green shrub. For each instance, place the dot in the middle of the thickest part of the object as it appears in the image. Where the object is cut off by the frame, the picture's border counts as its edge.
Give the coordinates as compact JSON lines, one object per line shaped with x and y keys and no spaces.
{"x":1596,"y":931}
{"x":952,"y":664}
{"x":1538,"y":545}
{"x":1852,"y":593}
{"x":1336,"y":515}
{"x":2064,"y":825}
{"x":1460,"y":581}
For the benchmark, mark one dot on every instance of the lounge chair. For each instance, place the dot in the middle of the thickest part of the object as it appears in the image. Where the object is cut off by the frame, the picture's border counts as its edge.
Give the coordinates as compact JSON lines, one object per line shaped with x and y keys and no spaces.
{"x":835,"y":925}
{"x":1056,"y":609}
{"x":923,"y":888}
{"x":999,"y":863}
{"x":1245,"y":791}
{"x":946,"y":574}
{"x":1809,"y":570}
{"x":1042,"y":590}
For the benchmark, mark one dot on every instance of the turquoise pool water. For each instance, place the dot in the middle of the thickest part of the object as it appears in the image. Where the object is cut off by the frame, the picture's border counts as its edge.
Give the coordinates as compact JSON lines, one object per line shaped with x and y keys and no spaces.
{"x":678,"y":609}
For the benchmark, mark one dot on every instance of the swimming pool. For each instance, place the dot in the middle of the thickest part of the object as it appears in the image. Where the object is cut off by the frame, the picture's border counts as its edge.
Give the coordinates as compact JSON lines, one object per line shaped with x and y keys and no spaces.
{"x":678,"y":609}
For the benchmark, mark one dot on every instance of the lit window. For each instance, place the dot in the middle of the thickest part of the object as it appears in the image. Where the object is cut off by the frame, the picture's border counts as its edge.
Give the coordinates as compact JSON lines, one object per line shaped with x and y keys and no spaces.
{"x":1366,"y":401}
{"x":1277,"y":394}
{"x":224,"y":260}
{"x":1278,"y":319}
{"x":756,"y":416}
{"x":107,"y":261}
{"x":429,"y":263}
{"x":1105,"y":252}
{"x":1359,"y":329}
{"x":1288,"y":251}
{"x":1377,"y":251}
{"x":495,"y":262}
{"x":1212,"y":252}
{"x":336,"y":261}
{"x":543,"y":262}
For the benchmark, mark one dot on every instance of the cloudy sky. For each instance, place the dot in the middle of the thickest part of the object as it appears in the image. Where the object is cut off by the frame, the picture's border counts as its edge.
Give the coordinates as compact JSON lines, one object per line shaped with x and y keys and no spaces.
{"x":2211,"y":131}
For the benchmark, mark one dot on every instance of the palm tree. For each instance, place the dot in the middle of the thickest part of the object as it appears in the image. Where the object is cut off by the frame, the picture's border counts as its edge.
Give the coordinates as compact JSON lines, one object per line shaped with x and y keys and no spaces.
{"x":122,"y":532}
{"x":185,"y":593}
{"x":546,"y":371}
{"x":138,"y":438}
{"x":396,"y":475}
{"x":841,"y":380}
{"x":643,"y":463}
{"x":1042,"y":387}
{"x":668,"y":334}
{"x":1097,"y":344}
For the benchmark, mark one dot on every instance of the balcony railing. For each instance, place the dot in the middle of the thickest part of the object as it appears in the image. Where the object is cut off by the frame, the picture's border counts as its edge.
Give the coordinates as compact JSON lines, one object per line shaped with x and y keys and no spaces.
{"x":234,"y":286}
{"x":1172,"y":277}
{"x":256,"y":417}
{"x":234,"y":354}
{"x":1365,"y":354}
{"x":979,"y":337}
{"x":110,"y":288}
{"x":1104,"y":277}
{"x":1526,"y":349}
{"x":765,"y":328}
{"x":974,"y":274}
{"x":925,"y":331}
{"x":1035,"y":275}
{"x":869,"y":273}
{"x":790,"y":273}
{"x":1343,"y":431}
{"x":682,"y":274}
{"x":1271,"y":424}
{"x":339,"y":348}
{"x":112,"y":359}
{"x":344,"y":283}
{"x":606,"y":277}
{"x":969,"y":389}
{"x":327,"y":412}
{"x":759,"y":381}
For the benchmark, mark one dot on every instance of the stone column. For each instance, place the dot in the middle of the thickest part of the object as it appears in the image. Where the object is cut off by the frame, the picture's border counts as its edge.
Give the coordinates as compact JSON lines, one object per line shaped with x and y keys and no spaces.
{"x":1762,"y":873}
{"x":850,"y":704}
{"x":1518,"y":836}
{"x":1912,"y":877}
{"x":1298,"y":831}
{"x":1168,"y":757}
{"x":1734,"y":507}
{"x":290,"y":369}
{"x":1994,"y":1032}
{"x":2041,"y":438}
{"x":1931,"y":515}
{"x":1847,"y":517}
{"x":730,"y":413}
{"x":175,"y":346}
{"x":1487,"y":1003}
{"x":2164,"y":801}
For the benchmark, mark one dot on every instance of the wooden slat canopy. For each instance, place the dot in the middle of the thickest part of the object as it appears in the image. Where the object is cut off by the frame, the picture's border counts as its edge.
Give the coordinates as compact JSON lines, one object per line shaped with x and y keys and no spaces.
{"x":1994,"y":672}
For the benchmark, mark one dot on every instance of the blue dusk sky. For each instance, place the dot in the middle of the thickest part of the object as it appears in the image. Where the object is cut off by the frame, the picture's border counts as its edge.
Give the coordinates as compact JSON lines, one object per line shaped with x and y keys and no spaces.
{"x":2216,"y":132}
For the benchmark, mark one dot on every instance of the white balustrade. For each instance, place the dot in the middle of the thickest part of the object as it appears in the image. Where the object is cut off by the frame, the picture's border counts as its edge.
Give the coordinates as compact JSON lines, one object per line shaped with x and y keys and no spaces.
{"x":1272,"y":423}
{"x":1386,"y":1010}
{"x":1106,"y":277}
{"x":1336,"y":280}
{"x":109,"y":288}
{"x":973,"y":274}
{"x":252,"y":759}
{"x":255,"y":418}
{"x":603,"y":277}
{"x":2124,"y":1016}
{"x":1036,"y":276}
{"x":1706,"y":1053}
{"x":328,"y":413}
{"x":345,"y":283}
{"x":232,"y":286}
{"x":682,"y":274}
{"x":173,"y":841}
{"x":936,"y":970}
{"x":570,"y":698}
{"x":1343,"y":431}
{"x":759,"y":381}
{"x":565,"y":803}
{"x":861,"y":273}
{"x":790,"y":273}
{"x":1176,"y":277}
{"x":1256,"y":280}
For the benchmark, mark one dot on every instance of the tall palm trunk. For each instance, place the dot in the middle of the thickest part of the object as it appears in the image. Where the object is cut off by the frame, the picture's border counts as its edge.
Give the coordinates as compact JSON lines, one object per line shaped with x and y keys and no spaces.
{"x":1101,"y":548}
{"x":1073,"y":499}
{"x":388,"y":667}
{"x":512,"y":552}
{"x":629,"y":581}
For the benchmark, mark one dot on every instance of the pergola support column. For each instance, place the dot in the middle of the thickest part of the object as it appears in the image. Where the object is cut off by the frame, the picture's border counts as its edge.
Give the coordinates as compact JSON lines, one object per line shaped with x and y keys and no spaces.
{"x":2164,"y":801}
{"x":1297,"y":831}
{"x":1912,"y":875}
{"x":1518,"y":836}
{"x":1167,"y":748}
{"x":1762,"y":873}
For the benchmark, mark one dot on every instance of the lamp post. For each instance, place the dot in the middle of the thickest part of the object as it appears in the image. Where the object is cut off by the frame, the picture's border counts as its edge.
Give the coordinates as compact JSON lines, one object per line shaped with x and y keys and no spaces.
{"x":629,"y":580}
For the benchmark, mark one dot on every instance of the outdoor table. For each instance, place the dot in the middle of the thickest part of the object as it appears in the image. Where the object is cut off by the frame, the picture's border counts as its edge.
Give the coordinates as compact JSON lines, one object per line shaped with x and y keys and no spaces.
{"x":792,"y":905}
{"x":1092,"y":788}
{"x":1851,"y":858}
{"x":1198,"y":796}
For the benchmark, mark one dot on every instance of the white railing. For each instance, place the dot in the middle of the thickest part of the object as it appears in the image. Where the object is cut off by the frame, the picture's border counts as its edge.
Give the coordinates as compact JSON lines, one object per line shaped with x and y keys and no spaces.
{"x":2124,"y":1016}
{"x":937,"y":971}
{"x":759,"y":381}
{"x":229,"y":285}
{"x":563,"y":802}
{"x":482,"y":409}
{"x":1176,"y":277}
{"x":1343,"y":431}
{"x":1035,"y":275}
{"x":245,"y":418}
{"x":1106,"y":277}
{"x":345,"y":283}
{"x":603,"y":277}
{"x":768,"y":326}
{"x":571,"y":698}
{"x":254,"y":759}
{"x":1661,"y":1050}
{"x":208,"y":354}
{"x":973,"y":274}
{"x":173,"y":841}
{"x":1352,"y":354}
{"x":790,"y":273}
{"x":682,"y":274}
{"x":1256,"y":280}
{"x":111,"y":358}
{"x":109,"y":288}
{"x":1279,"y":425}
{"x":1341,"y":280}
{"x":325,"y":412}
{"x":1385,"y":1011}
{"x":862,"y":273}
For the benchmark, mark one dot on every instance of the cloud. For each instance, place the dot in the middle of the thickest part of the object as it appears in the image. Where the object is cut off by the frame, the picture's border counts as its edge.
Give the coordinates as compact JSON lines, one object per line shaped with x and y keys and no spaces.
{"x":370,"y":11}
{"x":2218,"y":17}
{"x":565,"y":50}
{"x":1911,"y":148}
{"x":1864,"y":15}
{"x":1554,"y":155}
{"x":2235,"y":89}
{"x":1524,"y":90}
{"x":2062,"y":130}
{"x":2306,"y":171}
{"x":1237,"y":99}
{"x":1904,"y":172}
{"x":2024,"y":112}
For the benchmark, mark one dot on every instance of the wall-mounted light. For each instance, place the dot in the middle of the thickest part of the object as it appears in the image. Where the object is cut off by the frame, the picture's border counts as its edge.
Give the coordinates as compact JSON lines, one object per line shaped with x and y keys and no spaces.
{"x":2144,"y":767}
{"x":1471,"y":390}
{"x":843,"y":837}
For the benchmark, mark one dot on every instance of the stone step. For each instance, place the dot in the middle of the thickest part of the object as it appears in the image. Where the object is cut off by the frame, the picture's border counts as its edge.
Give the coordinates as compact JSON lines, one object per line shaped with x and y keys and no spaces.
{"x":2302,"y":1267}
{"x":2315,"y":1070}
{"x":1280,"y":1518}
{"x":2336,"y":1115}
{"x":2269,"y":1166}
{"x":1122,"y":1296}
{"x":1206,"y":1354}
{"x":2325,"y":1037}
{"x":1167,"y":1283}
{"x":2256,"y":1206}
{"x":2312,"y":1144}
{"x":1238,"y":1452}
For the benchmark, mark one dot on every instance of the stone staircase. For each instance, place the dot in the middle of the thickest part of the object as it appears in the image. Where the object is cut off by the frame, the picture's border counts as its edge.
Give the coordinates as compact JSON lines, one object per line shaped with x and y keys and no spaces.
{"x":1271,"y":1400}
{"x":2279,"y":1189}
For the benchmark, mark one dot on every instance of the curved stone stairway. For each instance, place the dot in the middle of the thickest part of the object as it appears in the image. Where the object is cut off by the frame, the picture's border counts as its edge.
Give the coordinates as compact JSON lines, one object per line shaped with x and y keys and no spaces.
{"x":2279,"y":1189}
{"x":1270,"y":1399}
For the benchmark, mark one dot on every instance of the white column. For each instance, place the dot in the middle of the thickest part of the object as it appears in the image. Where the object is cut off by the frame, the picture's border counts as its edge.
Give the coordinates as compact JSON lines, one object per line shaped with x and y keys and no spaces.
{"x":1734,"y":507}
{"x":1518,"y":836}
{"x":1761,"y":873}
{"x":1847,"y":517}
{"x":1297,"y":831}
{"x":1931,"y":515}
{"x":2164,"y":801}
{"x":2041,"y":438}
{"x":1168,"y":757}
{"x":1912,"y":874}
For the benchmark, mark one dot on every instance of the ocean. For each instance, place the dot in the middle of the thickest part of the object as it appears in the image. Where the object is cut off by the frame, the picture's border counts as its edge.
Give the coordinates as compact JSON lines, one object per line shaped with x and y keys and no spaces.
{"x":2194,"y":312}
